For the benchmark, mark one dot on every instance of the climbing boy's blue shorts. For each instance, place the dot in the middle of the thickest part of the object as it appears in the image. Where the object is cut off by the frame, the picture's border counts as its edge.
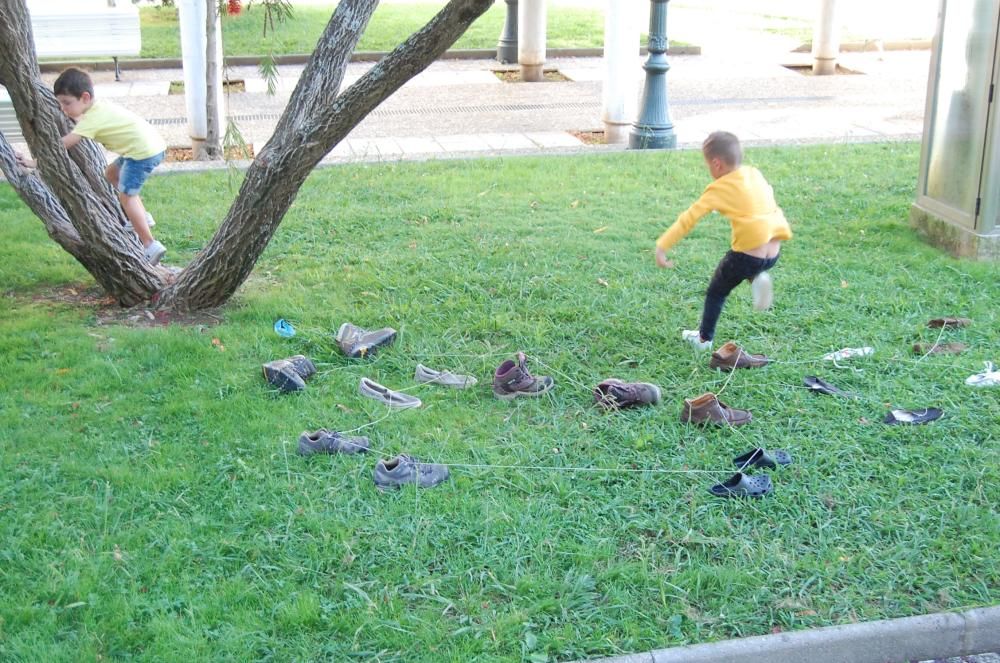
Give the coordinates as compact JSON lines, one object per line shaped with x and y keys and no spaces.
{"x":133,"y":172}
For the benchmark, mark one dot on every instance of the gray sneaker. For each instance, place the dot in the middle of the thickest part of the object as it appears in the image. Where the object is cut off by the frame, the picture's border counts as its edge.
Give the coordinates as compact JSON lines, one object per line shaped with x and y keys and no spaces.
{"x":404,"y":469}
{"x":154,"y":252}
{"x":324,"y":441}
{"x":394,"y":399}
{"x":426,"y":375}
{"x":513,"y":379}
{"x":614,"y":394}
{"x":357,"y":342}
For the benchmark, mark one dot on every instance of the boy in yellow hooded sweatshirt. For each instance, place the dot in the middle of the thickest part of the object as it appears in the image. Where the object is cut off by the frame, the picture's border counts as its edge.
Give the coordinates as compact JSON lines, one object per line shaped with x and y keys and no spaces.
{"x":742,"y":195}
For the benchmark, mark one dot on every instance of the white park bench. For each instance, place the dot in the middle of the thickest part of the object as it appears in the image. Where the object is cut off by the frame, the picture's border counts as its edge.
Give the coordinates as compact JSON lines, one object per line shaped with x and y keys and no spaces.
{"x":77,"y":29}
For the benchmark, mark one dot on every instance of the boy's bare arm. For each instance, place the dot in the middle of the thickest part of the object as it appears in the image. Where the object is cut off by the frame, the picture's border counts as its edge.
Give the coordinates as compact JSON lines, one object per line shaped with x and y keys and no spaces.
{"x":662,"y":261}
{"x":71,"y":139}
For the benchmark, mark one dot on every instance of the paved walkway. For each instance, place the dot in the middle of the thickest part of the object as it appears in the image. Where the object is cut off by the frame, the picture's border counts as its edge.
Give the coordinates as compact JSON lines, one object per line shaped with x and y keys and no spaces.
{"x":461,"y":108}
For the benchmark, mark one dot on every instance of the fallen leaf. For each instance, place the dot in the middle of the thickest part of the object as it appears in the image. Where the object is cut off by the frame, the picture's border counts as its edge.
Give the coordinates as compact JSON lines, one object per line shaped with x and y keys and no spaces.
{"x":602,"y":282}
{"x":413,"y":244}
{"x":344,"y":408}
{"x":117,"y":553}
{"x":862,"y":420}
{"x":843,"y":283}
{"x":62,"y":371}
{"x":575,"y":204}
{"x":217,"y":343}
{"x":600,"y":230}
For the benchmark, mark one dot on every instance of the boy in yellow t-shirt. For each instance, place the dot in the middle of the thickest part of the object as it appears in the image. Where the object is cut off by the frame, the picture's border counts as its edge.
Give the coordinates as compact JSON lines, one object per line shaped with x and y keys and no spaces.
{"x":139,"y":146}
{"x":742,"y":195}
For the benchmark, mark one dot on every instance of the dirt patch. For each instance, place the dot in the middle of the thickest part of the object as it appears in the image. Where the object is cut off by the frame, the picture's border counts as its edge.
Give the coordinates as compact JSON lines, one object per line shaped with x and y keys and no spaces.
{"x":595,"y":137}
{"x":107,"y":311}
{"x":236,"y":153}
{"x":177,"y":87}
{"x":514,"y":75}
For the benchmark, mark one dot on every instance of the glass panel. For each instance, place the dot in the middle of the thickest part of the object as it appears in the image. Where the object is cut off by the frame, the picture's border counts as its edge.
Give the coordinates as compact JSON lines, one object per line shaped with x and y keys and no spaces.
{"x":958,"y":128}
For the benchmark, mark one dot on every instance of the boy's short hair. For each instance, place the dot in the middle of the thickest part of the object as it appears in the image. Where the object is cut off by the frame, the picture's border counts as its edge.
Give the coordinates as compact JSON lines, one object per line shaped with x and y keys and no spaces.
{"x":723,"y":145}
{"x":73,"y":82}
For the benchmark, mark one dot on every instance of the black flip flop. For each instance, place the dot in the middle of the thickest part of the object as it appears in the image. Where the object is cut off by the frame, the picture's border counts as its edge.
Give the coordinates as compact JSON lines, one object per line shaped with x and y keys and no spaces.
{"x":761,"y":458}
{"x":742,"y":485}
{"x":912,"y":417}
{"x":821,"y":386}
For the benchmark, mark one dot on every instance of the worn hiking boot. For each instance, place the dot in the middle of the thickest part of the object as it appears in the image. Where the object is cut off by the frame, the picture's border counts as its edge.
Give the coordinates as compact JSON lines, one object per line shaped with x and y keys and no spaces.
{"x":513,"y":379}
{"x":281,"y":373}
{"x":614,"y":394}
{"x":357,"y":342}
{"x":404,"y":469}
{"x":302,"y":365}
{"x":708,"y":409}
{"x":731,"y":356}
{"x":324,"y":441}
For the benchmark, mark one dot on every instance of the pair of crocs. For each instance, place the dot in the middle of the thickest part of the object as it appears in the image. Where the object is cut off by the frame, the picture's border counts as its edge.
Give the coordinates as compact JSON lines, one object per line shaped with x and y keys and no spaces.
{"x":742,"y":484}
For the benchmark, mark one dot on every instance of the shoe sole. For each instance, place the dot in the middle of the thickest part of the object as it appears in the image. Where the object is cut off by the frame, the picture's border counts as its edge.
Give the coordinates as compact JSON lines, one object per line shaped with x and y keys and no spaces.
{"x":762,"y":291}
{"x":532,"y":394}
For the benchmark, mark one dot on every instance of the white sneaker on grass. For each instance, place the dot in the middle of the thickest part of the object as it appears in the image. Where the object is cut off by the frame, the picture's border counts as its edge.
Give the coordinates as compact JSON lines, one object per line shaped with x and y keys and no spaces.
{"x":988,"y":378}
{"x":693,"y":336}
{"x":154,"y":252}
{"x":762,"y":291}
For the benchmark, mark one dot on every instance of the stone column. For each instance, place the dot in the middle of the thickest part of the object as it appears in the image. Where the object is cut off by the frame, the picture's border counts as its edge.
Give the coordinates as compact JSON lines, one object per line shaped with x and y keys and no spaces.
{"x":531,"y":39}
{"x":826,"y":39}
{"x":194,"y":43}
{"x":621,"y":76}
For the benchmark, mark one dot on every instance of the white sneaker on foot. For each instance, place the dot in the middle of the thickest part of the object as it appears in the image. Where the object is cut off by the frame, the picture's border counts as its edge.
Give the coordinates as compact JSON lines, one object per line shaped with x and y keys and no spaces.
{"x":150,"y":221}
{"x":693,"y":336}
{"x":762,"y":291}
{"x":154,"y":252}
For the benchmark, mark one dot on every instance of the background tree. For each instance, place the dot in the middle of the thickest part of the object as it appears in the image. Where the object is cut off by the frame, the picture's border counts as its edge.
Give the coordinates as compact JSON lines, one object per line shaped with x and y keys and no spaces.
{"x":80,"y":212}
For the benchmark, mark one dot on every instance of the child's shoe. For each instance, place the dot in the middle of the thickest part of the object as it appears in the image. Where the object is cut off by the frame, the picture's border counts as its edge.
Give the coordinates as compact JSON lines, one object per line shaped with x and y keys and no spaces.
{"x":150,"y":221}
{"x":512,"y":379}
{"x":693,"y":336}
{"x":154,"y":252}
{"x":988,"y":378}
{"x":762,"y":291}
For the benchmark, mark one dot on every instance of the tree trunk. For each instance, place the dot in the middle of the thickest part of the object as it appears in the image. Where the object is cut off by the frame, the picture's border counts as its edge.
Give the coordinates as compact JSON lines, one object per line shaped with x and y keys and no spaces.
{"x":72,"y":191}
{"x":317,"y":117}
{"x":315,"y":120}
{"x":212,"y":147}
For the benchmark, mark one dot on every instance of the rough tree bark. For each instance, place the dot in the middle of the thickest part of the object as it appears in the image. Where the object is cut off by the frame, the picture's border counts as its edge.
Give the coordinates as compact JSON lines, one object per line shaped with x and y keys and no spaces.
{"x":317,"y":117}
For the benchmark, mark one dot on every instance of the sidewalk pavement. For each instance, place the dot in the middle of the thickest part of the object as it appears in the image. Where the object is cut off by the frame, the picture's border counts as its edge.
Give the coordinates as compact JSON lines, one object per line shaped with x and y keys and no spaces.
{"x":461,"y":108}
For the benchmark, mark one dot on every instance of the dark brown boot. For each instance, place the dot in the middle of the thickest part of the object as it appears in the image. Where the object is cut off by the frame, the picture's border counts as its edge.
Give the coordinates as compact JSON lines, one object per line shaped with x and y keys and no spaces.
{"x":707,"y":409}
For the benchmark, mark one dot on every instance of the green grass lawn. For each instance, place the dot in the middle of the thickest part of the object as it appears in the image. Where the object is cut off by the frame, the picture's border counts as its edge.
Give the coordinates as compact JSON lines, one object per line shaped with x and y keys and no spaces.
{"x":389,"y":26}
{"x":153,"y":507}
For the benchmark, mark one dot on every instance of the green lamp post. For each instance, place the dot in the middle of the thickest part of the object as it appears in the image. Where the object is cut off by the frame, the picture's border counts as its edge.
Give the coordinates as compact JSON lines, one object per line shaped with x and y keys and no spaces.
{"x":653,"y":129}
{"x":507,"y":46}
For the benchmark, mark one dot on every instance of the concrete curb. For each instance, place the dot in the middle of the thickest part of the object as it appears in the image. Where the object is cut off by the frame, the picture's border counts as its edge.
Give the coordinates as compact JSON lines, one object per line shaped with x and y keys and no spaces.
{"x":54,"y":66}
{"x":871,"y":45}
{"x":940,"y":635}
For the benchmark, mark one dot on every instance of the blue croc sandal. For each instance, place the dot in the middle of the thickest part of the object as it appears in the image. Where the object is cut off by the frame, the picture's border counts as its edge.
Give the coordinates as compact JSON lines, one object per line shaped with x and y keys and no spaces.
{"x":761,"y":458}
{"x":284,"y":329}
{"x":742,"y":485}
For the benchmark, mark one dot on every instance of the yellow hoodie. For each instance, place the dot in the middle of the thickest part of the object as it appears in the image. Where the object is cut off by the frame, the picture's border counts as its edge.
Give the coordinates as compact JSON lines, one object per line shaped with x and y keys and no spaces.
{"x":745,"y":198}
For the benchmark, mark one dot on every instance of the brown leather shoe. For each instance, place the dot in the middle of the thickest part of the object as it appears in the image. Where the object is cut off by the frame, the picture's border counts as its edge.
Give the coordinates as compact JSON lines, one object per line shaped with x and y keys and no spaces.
{"x":939,"y":348}
{"x":731,"y":356}
{"x":708,"y":409}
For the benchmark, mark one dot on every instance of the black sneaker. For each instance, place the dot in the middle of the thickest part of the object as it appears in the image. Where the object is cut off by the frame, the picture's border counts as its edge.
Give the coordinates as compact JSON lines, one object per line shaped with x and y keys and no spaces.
{"x":324,"y":441}
{"x":282,"y":374}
